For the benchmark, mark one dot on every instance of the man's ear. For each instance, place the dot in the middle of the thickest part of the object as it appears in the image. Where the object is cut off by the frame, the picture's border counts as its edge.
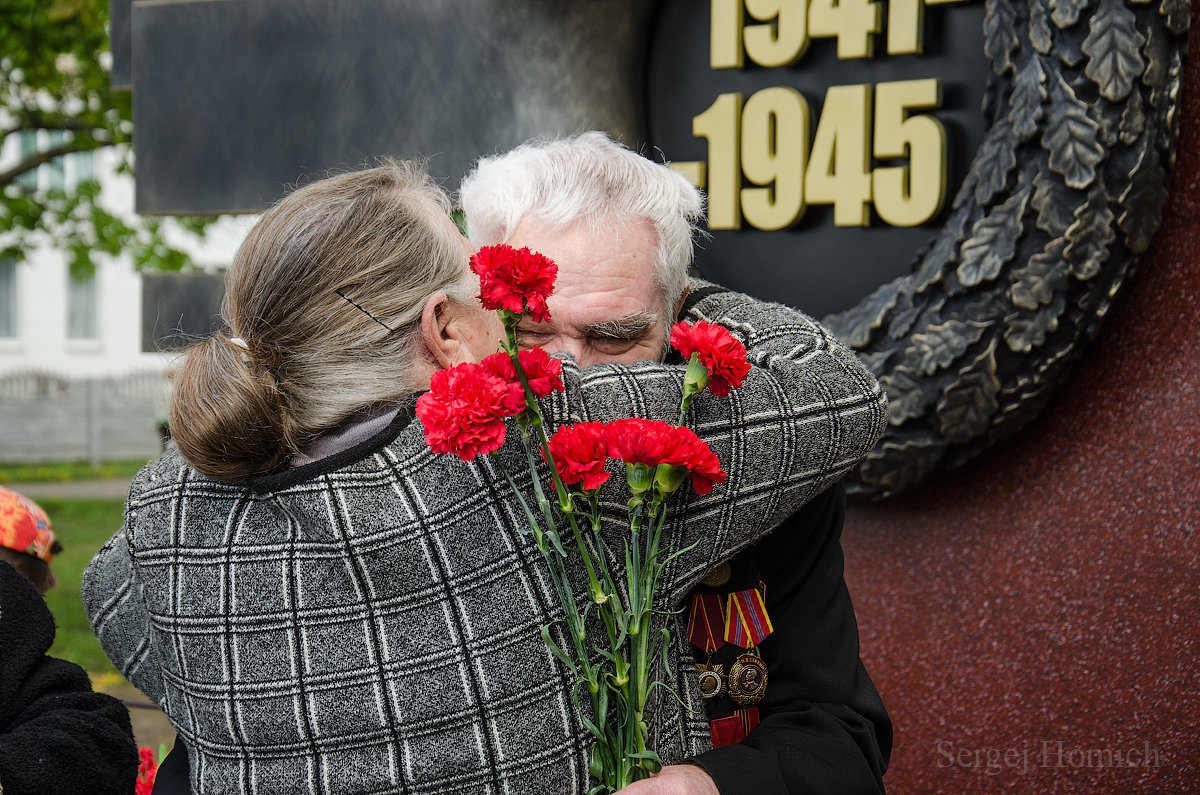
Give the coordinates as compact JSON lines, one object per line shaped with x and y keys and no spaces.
{"x":438,"y":333}
{"x":679,"y":305}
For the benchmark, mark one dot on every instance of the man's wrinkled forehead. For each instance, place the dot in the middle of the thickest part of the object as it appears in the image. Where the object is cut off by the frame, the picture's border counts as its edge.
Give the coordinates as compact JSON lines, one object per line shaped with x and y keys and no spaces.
{"x":595,"y":249}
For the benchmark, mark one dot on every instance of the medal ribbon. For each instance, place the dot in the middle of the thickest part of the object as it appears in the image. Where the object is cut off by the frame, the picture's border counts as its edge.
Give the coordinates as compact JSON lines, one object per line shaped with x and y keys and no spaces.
{"x":733,"y":728}
{"x":706,"y":625}
{"x":747,"y":623}
{"x":748,"y":717}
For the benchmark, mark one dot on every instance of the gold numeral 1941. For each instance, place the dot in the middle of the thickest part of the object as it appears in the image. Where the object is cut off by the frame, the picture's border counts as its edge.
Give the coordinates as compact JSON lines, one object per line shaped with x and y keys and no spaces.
{"x":777,"y":32}
{"x":761,"y":167}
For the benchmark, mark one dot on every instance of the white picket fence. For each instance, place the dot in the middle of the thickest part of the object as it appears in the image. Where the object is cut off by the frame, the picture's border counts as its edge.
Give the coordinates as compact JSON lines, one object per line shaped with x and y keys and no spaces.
{"x":48,"y":416}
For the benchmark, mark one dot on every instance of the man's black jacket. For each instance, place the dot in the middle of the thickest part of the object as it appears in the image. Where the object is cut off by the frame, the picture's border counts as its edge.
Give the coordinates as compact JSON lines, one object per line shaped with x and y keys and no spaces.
{"x":824,"y":728}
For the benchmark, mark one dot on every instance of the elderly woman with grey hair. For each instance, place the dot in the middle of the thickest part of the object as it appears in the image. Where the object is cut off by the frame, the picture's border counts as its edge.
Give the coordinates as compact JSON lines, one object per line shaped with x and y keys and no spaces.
{"x":321,"y":604}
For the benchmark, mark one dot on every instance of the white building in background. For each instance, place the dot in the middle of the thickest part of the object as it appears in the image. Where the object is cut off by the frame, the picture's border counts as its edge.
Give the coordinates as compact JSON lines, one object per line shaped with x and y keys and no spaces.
{"x":52,"y":322}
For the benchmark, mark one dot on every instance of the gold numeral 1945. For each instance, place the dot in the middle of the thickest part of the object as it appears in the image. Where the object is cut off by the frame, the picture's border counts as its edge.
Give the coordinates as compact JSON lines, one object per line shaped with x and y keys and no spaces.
{"x":761,"y":167}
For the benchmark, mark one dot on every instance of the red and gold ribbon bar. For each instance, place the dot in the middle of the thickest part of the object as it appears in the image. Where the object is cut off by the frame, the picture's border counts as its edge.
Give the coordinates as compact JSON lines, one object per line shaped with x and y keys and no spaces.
{"x":734,"y":728}
{"x":747,"y":622}
{"x":748,"y":717}
{"x":706,"y":625}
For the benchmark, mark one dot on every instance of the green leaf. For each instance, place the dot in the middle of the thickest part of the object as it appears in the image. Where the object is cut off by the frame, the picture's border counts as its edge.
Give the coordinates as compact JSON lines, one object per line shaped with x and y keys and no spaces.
{"x":602,"y":706}
{"x":556,"y":651}
{"x":592,"y":728}
{"x":666,"y":642}
{"x":679,"y":552}
{"x":552,"y":534}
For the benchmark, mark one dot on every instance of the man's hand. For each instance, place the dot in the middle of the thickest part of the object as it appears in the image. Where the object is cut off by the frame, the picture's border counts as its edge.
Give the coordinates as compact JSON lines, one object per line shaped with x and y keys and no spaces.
{"x":674,"y":780}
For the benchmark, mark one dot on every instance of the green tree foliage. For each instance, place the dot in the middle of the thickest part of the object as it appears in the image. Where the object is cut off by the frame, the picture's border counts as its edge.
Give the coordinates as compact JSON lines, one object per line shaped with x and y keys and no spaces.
{"x":54,"y":84}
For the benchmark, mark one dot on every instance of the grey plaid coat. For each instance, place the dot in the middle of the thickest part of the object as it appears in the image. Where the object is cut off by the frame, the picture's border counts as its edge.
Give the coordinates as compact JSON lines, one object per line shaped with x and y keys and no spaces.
{"x":370,"y":622}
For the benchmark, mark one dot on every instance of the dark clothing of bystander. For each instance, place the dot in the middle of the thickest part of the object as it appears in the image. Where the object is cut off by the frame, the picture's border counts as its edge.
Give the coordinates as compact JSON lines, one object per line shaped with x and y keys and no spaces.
{"x":57,"y":736}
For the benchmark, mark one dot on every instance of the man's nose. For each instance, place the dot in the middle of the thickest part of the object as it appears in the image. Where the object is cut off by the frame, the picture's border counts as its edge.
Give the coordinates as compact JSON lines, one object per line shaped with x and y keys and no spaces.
{"x":576,"y":347}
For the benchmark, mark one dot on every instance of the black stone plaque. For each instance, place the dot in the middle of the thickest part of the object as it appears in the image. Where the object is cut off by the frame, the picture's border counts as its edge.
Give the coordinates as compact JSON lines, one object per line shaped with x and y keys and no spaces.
{"x":121,"y":75}
{"x":179,"y":308}
{"x":234,"y":101}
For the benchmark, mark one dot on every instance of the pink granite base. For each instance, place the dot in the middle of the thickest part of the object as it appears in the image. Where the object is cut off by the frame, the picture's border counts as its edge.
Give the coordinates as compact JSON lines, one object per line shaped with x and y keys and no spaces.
{"x":1033,"y":619}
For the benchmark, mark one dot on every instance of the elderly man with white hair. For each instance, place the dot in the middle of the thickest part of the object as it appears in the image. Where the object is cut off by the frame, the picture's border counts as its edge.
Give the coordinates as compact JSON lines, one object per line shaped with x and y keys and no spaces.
{"x":804,"y":717}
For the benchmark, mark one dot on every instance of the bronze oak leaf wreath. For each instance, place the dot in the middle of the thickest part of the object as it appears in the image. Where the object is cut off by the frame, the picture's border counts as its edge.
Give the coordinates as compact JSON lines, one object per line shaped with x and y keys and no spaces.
{"x":1062,"y":197}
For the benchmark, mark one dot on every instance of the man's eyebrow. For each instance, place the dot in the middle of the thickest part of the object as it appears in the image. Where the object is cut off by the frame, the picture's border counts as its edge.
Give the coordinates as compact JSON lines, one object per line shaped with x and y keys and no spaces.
{"x":630,"y":327}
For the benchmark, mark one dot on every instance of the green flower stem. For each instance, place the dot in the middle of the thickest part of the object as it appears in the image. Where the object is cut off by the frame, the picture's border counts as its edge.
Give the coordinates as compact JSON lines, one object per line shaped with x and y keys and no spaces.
{"x":644,"y":651}
{"x":655,"y":510}
{"x":633,"y":575}
{"x":562,"y":582}
{"x":618,"y":698}
{"x":639,"y":599}
{"x":612,"y":608}
{"x":607,"y":604}
{"x":653,"y":540}
{"x":538,"y":537}
{"x":564,"y":498}
{"x":543,"y":503}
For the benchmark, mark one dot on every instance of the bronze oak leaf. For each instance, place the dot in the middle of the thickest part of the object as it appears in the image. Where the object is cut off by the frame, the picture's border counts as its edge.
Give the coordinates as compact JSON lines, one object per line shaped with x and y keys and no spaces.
{"x":1000,"y":34}
{"x":938,"y":346}
{"x":993,"y":241}
{"x":1027,"y":101}
{"x":967,"y":405}
{"x":1045,"y":275}
{"x":1114,"y":50}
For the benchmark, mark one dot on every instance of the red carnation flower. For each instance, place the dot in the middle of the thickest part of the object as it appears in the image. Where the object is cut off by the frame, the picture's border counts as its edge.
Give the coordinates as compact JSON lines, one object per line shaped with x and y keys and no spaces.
{"x":717,"y":350}
{"x":463,"y":412}
{"x":516,"y":280}
{"x":650,"y":442}
{"x":580,"y":452}
{"x":543,"y":372}
{"x":638,"y":441}
{"x":147,"y":772}
{"x":686,"y":449}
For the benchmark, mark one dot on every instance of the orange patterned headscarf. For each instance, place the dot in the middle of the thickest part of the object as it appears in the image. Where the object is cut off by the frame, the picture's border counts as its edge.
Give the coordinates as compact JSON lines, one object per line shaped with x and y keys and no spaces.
{"x":24,"y":526}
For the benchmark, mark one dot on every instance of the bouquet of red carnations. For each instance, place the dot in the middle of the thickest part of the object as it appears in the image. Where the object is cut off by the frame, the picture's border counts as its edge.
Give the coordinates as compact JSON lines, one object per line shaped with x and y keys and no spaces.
{"x":148,"y":763}
{"x":464,"y":414}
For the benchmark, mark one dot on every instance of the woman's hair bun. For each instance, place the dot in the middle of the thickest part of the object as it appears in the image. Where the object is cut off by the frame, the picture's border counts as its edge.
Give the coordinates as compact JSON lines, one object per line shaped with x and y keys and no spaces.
{"x":226,"y":411}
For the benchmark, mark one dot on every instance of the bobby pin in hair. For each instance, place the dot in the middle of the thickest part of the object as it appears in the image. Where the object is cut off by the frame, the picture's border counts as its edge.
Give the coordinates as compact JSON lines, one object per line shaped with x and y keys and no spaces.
{"x":360,"y":309}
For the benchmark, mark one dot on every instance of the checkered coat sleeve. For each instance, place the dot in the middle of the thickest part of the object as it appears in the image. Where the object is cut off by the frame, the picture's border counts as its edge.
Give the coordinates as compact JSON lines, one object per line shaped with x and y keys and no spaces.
{"x":373,"y":626}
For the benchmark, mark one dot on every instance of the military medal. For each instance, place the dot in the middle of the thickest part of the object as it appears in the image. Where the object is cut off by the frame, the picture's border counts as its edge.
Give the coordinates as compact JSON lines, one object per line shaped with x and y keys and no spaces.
{"x":739,"y":619}
{"x":712,"y":679}
{"x":748,"y":679}
{"x":706,"y":625}
{"x":747,"y":624}
{"x":706,"y":631}
{"x":718,"y":576}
